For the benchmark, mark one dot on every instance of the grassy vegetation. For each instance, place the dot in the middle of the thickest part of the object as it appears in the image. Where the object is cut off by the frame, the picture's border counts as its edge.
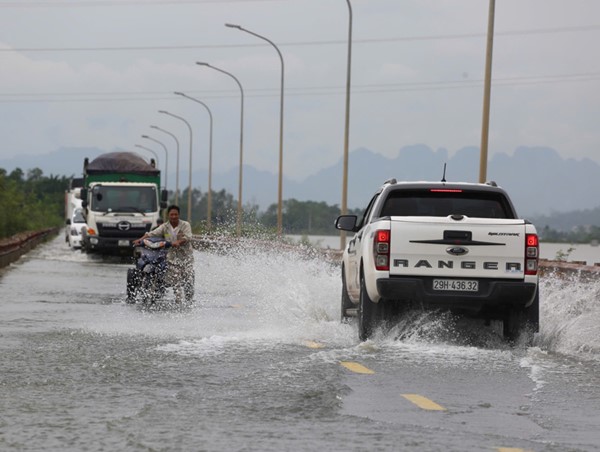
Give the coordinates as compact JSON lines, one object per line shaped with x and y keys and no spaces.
{"x":31,"y":201}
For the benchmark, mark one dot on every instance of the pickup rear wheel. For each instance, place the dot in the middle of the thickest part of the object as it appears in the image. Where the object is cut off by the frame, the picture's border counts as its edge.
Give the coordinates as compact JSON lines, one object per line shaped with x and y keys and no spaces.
{"x":533,"y":313}
{"x":346,"y":302}
{"x":367,"y":313}
{"x":513,"y":323}
{"x":522,"y":321}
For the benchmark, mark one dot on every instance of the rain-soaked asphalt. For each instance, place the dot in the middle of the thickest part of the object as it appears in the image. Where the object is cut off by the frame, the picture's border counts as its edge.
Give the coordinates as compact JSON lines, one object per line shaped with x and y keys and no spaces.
{"x":262,"y":363}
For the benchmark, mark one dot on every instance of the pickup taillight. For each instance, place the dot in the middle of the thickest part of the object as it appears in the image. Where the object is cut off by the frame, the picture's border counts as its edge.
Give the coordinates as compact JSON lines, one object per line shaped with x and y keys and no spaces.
{"x":381,"y":249}
{"x":532,"y":252}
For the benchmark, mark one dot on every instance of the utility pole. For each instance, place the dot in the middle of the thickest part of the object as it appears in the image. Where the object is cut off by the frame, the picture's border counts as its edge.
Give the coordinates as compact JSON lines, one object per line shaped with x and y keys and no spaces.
{"x":485,"y":126}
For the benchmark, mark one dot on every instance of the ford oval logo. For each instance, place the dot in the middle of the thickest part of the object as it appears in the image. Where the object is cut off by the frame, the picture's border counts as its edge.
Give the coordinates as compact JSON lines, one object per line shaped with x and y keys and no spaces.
{"x":123,"y":225}
{"x":457,"y":250}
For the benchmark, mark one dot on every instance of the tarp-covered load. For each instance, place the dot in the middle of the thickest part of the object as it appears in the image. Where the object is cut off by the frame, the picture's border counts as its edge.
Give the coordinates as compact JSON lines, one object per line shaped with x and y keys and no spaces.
{"x":121,"y":162}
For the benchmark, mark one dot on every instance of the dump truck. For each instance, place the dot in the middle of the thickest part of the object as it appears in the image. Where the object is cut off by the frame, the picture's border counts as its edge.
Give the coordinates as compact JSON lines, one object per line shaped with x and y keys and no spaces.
{"x":122,"y":200}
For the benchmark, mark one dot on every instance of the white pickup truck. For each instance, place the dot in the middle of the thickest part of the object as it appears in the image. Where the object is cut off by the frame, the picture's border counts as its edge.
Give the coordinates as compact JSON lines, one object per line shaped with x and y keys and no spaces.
{"x":437,"y":245}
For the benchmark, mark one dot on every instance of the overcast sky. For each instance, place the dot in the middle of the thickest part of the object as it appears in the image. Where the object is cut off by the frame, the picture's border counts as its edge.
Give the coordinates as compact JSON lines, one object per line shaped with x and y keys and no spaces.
{"x":96,"y":72}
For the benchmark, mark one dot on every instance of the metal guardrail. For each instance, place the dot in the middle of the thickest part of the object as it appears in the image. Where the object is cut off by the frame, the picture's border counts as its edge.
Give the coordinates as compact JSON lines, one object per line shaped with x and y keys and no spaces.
{"x":577,"y":268}
{"x":12,"y":248}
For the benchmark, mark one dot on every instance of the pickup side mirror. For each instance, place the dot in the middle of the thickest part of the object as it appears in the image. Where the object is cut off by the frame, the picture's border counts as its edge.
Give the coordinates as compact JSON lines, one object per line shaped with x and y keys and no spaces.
{"x":346,"y":223}
{"x":68,"y":221}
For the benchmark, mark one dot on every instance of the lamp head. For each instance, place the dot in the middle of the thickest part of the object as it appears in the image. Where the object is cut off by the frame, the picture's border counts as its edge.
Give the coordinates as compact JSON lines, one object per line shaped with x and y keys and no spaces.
{"x":202,"y":63}
{"x":233,"y":26}
{"x":178,"y":93}
{"x":145,"y":136}
{"x":162,"y":111}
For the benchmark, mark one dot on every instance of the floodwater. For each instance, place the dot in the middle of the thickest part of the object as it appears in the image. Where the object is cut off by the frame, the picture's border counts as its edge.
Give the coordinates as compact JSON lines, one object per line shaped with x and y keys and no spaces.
{"x":262,"y":363}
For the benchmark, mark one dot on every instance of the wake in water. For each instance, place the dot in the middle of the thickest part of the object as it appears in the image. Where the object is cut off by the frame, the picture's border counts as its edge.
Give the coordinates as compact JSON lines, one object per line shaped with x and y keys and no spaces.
{"x":570,"y":316}
{"x":290,"y":294}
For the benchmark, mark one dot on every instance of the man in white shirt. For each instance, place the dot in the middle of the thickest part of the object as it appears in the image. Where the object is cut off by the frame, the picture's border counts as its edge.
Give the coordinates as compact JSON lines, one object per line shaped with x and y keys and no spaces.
{"x":180,"y":258}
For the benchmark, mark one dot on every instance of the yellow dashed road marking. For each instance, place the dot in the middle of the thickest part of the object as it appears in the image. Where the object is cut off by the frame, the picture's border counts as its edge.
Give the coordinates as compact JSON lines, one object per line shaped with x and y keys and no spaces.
{"x":313,"y":344}
{"x":356,"y":368}
{"x":423,"y":402}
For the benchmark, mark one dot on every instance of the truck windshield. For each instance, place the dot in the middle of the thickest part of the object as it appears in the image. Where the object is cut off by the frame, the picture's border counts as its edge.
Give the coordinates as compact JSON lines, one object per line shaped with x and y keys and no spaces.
{"x":107,"y":198}
{"x":439,"y":204}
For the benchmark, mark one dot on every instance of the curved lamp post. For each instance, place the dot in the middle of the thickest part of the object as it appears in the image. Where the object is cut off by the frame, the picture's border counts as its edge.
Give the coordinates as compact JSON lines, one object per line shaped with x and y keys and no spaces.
{"x":189,"y":206}
{"x":280,"y":180}
{"x":239,"y":209}
{"x":346,"y":126}
{"x":166,"y":159}
{"x":485,"y":126}
{"x":210,"y":151}
{"x":177,"y":170}
{"x":149,"y":150}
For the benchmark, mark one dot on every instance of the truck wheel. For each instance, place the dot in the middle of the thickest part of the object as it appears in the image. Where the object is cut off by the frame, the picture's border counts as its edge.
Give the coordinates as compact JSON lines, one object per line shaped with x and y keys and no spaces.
{"x":367,"y":313}
{"x":346,"y":303}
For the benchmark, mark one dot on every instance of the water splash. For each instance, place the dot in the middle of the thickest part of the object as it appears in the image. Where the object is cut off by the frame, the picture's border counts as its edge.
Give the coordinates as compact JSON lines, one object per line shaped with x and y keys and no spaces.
{"x":570,"y":316}
{"x":248,"y":292}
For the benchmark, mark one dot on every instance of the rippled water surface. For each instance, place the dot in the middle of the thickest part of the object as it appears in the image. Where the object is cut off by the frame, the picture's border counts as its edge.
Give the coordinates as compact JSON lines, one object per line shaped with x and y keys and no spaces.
{"x":255,"y":364}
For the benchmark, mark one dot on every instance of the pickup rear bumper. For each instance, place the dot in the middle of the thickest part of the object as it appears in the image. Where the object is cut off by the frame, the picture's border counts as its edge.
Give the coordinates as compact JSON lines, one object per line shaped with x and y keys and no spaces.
{"x":492,"y":294}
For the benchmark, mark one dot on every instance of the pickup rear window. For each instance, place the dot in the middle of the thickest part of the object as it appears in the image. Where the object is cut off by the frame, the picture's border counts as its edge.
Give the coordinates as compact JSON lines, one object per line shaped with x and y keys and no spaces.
{"x":429,"y":203}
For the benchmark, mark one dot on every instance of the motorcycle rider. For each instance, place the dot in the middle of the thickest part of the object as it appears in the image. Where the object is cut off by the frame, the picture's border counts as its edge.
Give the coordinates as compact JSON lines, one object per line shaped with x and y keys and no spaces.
{"x":180,"y":257}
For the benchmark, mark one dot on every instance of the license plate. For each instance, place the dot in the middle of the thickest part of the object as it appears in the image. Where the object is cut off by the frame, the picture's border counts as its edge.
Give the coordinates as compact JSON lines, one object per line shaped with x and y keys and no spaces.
{"x":459,"y":285}
{"x":123,"y":242}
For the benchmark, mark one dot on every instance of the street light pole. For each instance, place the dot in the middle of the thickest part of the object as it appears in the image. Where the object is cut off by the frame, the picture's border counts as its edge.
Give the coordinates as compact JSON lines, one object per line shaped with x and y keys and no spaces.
{"x":483,"y":156}
{"x":240,"y":183}
{"x":346,"y":126}
{"x":189,"y":206}
{"x":280,"y":180}
{"x":210,"y":155}
{"x":149,"y":150}
{"x":177,"y":165}
{"x":166,"y":159}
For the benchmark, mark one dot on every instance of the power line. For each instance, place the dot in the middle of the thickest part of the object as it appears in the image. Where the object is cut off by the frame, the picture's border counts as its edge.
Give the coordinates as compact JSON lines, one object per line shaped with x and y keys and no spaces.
{"x":95,"y":3}
{"x":300,"y":91}
{"x":303,"y":43}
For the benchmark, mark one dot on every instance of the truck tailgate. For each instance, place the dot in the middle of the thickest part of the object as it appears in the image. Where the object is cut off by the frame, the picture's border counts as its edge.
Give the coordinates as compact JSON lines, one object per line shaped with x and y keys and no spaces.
{"x":469,"y":248}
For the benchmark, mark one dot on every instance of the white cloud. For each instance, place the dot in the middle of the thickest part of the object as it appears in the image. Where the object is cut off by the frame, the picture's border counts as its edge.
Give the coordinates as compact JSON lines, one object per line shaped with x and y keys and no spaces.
{"x":414,"y":80}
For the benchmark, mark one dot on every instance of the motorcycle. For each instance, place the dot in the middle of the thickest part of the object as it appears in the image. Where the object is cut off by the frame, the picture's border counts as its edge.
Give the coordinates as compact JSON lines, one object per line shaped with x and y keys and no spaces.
{"x":147,"y":280}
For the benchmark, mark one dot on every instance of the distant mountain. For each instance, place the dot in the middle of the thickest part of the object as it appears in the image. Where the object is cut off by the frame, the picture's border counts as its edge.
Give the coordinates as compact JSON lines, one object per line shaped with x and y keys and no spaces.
{"x":538,"y":179}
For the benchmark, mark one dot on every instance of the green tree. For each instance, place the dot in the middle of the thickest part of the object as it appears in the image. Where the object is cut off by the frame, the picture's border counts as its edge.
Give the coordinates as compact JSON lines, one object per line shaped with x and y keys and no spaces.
{"x":30,"y":202}
{"x":303,"y":217}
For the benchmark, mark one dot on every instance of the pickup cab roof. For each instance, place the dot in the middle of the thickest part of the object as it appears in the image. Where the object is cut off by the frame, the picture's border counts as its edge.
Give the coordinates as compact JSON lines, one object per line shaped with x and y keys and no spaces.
{"x":442,"y":199}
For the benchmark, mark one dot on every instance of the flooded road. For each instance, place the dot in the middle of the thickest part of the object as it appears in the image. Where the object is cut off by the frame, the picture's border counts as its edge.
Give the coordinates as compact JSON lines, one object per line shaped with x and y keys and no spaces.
{"x":261,"y":362}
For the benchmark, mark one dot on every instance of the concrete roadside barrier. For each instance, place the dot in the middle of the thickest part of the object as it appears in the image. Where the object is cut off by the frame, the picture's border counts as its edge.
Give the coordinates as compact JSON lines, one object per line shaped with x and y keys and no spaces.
{"x":12,"y":248}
